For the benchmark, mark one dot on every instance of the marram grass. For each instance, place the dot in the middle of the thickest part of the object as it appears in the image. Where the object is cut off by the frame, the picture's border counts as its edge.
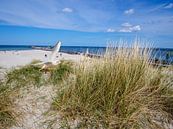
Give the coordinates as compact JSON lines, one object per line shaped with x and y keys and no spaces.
{"x":121,"y":90}
{"x":24,"y":76}
{"x":9,"y":91}
{"x":7,"y":113}
{"x":60,"y":72}
{"x":27,"y":76}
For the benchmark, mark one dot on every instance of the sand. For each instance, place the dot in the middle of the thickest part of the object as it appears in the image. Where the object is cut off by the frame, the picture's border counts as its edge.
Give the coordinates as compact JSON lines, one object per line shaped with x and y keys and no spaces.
{"x":11,"y":59}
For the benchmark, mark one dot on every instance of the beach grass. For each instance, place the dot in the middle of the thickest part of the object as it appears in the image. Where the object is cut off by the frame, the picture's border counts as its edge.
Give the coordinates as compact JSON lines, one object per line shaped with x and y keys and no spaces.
{"x":10,"y":88}
{"x":121,"y":90}
{"x":24,"y":76}
{"x":7,"y":113}
{"x":61,"y":72}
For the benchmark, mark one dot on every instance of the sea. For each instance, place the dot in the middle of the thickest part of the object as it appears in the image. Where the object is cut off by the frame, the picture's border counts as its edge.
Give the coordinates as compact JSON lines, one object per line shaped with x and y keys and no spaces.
{"x":163,"y":54}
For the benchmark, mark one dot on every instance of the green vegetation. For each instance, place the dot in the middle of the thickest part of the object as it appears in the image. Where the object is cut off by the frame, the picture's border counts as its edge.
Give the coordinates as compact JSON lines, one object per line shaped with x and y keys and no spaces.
{"x":119,"y":91}
{"x":61,"y":72}
{"x":28,"y":75}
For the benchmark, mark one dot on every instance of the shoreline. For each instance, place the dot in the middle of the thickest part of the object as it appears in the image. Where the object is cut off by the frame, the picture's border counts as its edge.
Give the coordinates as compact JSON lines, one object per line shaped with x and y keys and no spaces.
{"x":15,"y":58}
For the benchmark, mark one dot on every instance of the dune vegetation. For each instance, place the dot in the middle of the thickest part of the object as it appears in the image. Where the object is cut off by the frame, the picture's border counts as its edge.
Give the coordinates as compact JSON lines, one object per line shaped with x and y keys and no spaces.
{"x":10,"y":87}
{"x":22,"y":78}
{"x":121,"y":90}
{"x":7,"y":114}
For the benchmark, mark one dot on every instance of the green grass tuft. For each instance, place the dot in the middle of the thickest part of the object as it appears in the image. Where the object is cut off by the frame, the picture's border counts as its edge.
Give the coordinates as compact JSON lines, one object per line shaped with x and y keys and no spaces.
{"x":61,"y":72}
{"x":28,"y":75}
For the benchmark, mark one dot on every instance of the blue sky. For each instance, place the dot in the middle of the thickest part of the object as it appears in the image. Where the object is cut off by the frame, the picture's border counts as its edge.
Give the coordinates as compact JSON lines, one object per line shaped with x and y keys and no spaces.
{"x":85,"y":22}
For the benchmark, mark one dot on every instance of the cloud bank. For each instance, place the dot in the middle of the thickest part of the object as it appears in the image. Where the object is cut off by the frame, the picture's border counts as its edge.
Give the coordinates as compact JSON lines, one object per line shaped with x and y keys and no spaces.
{"x":89,"y":16}
{"x":127,"y":27}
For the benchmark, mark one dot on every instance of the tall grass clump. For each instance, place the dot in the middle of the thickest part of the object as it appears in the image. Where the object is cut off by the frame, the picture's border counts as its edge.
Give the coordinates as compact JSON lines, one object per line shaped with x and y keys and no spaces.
{"x":121,"y":90}
{"x":7,"y":114}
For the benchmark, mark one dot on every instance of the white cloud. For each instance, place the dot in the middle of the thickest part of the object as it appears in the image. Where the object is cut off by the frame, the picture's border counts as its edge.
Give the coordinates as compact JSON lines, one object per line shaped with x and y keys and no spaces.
{"x":110,"y":30}
{"x":169,"y":6}
{"x":67,"y":10}
{"x":129,"y":11}
{"x":127,"y":27}
{"x":126,"y":24}
{"x":136,"y":28}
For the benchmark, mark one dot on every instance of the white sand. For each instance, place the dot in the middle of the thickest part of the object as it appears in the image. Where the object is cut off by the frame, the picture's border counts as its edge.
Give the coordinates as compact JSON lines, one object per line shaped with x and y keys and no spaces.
{"x":32,"y":106}
{"x":11,"y":59}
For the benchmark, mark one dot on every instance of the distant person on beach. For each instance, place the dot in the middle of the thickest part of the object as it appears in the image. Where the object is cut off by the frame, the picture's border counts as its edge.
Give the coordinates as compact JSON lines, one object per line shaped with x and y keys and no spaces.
{"x":45,"y":55}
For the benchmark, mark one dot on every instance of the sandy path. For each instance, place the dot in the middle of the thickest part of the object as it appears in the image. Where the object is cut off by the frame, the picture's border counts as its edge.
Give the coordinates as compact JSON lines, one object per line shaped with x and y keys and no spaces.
{"x":33,"y":104}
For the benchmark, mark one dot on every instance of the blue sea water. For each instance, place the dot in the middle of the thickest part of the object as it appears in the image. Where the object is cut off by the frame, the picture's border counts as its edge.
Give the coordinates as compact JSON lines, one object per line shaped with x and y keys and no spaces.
{"x":14,"y":47}
{"x":159,"y":53}
{"x":69,"y":49}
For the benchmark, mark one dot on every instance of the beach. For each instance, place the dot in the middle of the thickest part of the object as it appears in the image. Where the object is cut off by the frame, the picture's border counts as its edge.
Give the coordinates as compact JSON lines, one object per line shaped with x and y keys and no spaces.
{"x":10,"y":59}
{"x":18,"y":58}
{"x":34,"y":93}
{"x":86,"y":64}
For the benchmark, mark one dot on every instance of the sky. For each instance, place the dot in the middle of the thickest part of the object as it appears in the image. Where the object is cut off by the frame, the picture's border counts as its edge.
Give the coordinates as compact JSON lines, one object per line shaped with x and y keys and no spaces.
{"x":86,"y":22}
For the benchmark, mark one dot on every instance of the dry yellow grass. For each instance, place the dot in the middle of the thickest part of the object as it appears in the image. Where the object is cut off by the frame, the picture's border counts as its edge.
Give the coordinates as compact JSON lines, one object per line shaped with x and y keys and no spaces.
{"x":120,"y":90}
